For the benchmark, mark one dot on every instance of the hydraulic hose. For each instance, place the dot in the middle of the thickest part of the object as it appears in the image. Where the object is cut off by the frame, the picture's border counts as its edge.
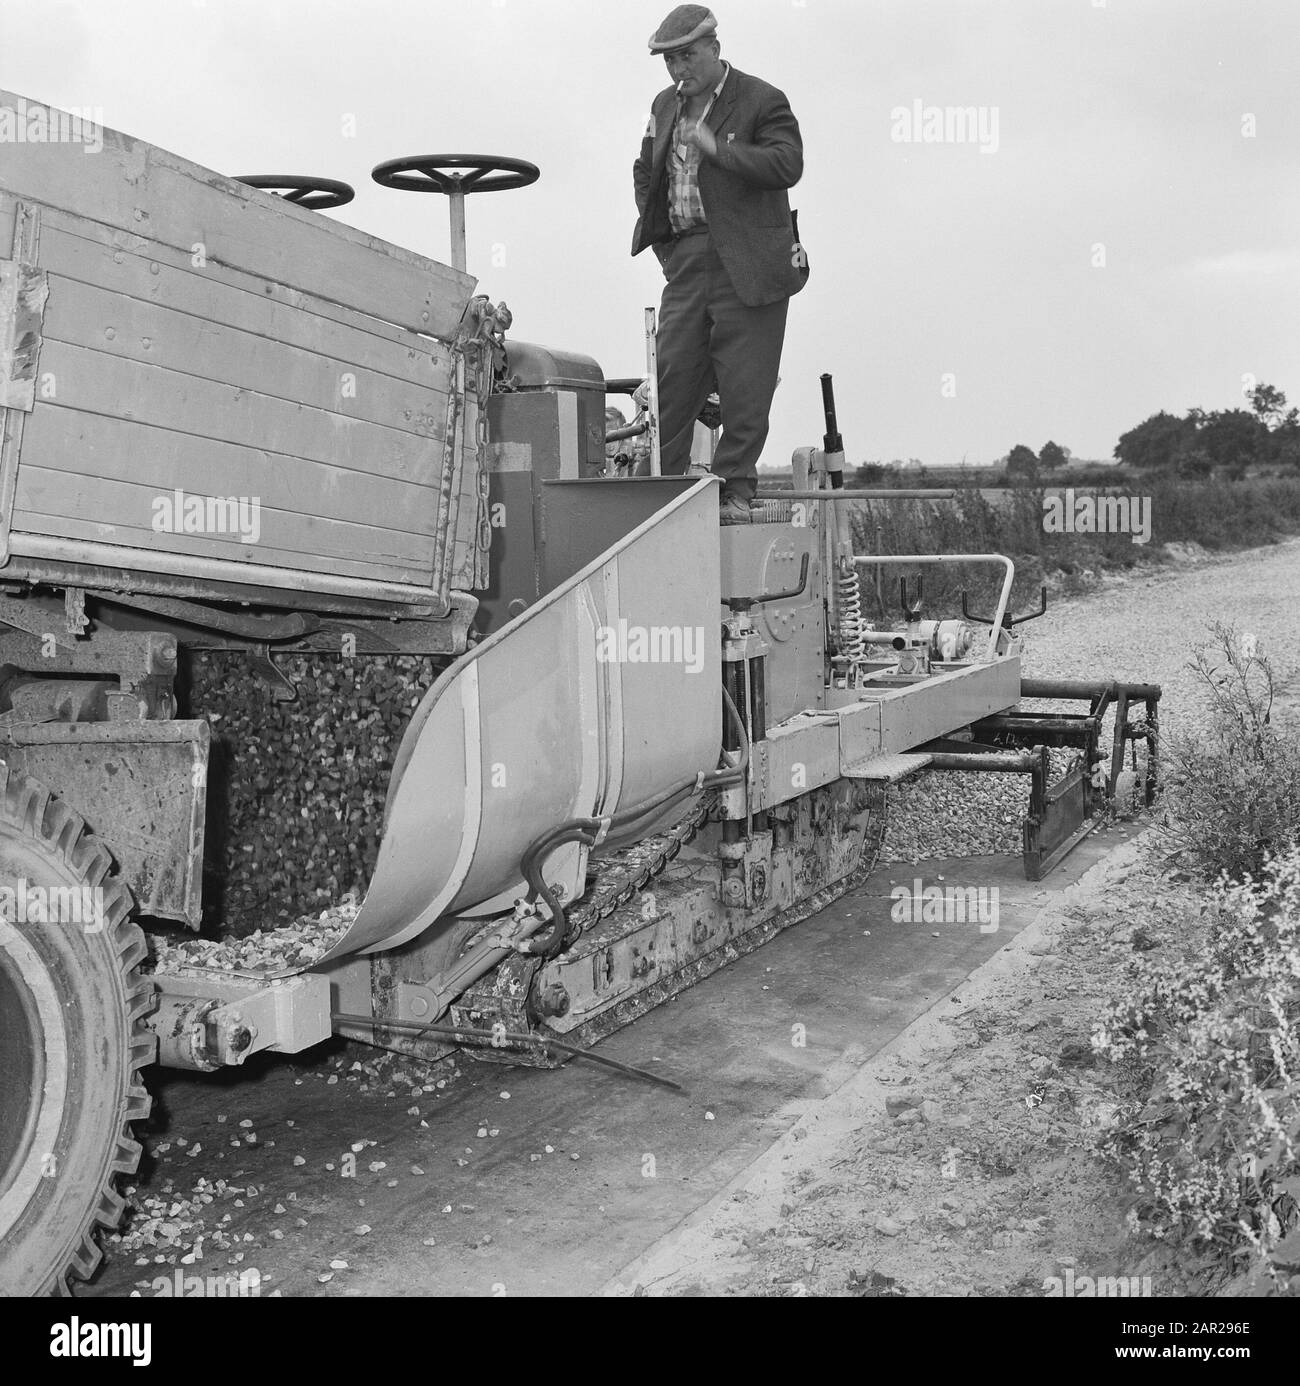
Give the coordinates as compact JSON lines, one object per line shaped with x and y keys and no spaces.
{"x":590,"y":831}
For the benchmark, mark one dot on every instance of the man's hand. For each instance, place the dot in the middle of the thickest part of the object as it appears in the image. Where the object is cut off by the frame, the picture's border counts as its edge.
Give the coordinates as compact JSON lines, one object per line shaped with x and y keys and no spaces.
{"x":702,"y":138}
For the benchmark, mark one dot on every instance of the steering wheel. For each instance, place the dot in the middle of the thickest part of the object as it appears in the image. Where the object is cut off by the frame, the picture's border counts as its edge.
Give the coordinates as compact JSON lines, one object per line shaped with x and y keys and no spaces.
{"x":316,"y":194}
{"x":426,"y":173}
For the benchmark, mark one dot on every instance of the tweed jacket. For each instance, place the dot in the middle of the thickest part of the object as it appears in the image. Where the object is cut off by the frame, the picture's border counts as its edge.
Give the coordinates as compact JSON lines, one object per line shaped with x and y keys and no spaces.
{"x":743,"y":187}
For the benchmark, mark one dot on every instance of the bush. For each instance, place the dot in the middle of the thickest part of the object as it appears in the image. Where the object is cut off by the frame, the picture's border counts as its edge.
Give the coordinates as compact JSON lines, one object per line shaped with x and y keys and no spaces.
{"x":1196,"y":464}
{"x":1211,"y":1145}
{"x":1218,"y":516}
{"x":1232,"y":794}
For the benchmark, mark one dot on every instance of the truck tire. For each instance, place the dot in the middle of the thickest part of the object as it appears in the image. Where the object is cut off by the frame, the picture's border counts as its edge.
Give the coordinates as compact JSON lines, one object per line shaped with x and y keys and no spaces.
{"x":71,"y":1041}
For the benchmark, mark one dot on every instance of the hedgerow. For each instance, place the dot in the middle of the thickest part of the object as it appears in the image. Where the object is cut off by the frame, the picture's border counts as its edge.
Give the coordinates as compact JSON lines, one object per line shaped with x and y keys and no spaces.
{"x":1208,"y":1030}
{"x":1211,"y":1038}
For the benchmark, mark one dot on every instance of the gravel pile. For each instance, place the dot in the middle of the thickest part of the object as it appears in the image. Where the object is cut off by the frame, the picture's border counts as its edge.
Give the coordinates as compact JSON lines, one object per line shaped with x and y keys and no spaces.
{"x":176,"y":1228}
{"x":270,"y":951}
{"x":944,"y":813}
{"x":296,"y":790}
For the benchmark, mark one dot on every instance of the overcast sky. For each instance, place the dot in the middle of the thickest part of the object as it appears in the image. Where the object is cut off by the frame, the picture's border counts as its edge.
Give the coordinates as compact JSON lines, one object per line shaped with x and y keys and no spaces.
{"x":1130,"y":241}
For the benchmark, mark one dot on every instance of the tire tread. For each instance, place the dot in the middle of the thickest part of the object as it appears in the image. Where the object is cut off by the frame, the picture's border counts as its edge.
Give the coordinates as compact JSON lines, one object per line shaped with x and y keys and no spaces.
{"x":28,"y":806}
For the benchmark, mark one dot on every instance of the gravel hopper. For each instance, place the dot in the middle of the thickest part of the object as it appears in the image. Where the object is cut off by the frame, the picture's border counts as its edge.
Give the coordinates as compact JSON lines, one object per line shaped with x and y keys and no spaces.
{"x":231,"y":423}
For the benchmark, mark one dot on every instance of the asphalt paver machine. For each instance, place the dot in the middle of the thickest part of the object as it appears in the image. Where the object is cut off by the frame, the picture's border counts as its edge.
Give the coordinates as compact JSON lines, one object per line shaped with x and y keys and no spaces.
{"x":230,"y":422}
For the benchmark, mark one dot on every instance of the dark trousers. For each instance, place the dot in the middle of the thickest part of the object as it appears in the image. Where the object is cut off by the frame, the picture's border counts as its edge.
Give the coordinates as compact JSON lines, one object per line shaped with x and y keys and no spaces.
{"x":709,"y":340}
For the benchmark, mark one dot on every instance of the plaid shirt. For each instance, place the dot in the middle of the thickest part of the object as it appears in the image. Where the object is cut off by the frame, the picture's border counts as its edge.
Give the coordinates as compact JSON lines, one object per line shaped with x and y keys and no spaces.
{"x":685,"y":206}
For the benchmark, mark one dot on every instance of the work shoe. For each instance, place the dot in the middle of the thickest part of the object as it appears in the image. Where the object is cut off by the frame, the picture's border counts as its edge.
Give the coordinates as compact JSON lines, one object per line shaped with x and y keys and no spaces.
{"x":734,"y":510}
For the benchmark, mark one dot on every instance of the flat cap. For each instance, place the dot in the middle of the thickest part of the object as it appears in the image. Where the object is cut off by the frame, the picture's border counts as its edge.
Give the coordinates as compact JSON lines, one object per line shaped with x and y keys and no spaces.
{"x":682,"y":27}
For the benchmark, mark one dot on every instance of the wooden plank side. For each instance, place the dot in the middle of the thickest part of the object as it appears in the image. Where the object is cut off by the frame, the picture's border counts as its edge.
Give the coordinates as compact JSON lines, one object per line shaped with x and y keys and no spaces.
{"x":119,"y":388}
{"x":82,"y":315}
{"x":92,"y":254}
{"x":141,"y":188}
{"x":79,"y":444}
{"x":58,"y":529}
{"x":116,"y":512}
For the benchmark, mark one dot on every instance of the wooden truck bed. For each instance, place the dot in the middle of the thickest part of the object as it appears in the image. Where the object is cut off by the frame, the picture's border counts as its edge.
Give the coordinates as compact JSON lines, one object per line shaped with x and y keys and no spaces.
{"x":202,"y":383}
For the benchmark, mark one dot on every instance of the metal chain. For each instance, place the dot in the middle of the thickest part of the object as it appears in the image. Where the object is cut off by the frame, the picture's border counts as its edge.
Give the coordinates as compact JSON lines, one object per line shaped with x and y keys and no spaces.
{"x":479,"y":338}
{"x":481,"y":576}
{"x":620,"y":875}
{"x":501,"y":997}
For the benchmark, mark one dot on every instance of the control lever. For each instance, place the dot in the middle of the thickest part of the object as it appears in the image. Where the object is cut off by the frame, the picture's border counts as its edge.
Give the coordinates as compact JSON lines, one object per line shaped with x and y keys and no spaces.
{"x":1008,"y":620}
{"x":738,"y":604}
{"x":833,"y":460}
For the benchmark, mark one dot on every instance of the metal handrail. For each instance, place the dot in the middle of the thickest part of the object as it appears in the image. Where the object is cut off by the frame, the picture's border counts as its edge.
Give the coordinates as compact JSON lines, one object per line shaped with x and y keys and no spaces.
{"x":1005,"y":596}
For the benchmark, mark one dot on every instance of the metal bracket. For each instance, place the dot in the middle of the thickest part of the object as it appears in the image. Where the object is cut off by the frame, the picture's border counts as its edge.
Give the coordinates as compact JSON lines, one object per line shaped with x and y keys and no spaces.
{"x":207,"y":1021}
{"x":652,"y":376}
{"x":144,"y":662}
{"x":75,"y":619}
{"x":416,"y":1002}
{"x":37,"y":618}
{"x":283,"y":688}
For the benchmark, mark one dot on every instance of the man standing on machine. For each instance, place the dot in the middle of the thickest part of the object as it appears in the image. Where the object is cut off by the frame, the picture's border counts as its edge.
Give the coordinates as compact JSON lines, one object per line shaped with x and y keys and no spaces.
{"x":719,"y":153}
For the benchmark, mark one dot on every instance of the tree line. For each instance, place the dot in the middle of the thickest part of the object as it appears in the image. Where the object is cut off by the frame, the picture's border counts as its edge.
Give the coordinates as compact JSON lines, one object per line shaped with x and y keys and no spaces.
{"x":1199,"y":444}
{"x":1226,"y":441}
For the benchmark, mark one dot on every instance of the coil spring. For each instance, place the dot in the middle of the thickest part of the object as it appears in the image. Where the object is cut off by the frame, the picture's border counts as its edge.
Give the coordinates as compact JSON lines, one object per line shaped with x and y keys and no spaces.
{"x":852,"y":644}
